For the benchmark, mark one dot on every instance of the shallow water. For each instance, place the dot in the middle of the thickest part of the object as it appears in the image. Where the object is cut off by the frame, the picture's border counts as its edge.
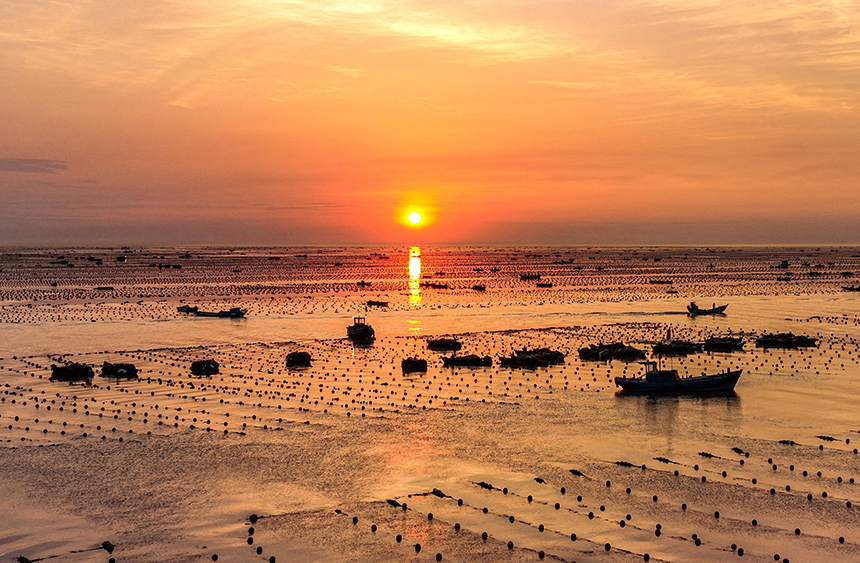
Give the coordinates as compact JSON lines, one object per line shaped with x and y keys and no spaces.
{"x":172,"y":466}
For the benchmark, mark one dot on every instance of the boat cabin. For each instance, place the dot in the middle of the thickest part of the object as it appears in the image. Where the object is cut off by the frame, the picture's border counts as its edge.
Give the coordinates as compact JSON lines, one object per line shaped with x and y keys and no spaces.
{"x":655,"y":375}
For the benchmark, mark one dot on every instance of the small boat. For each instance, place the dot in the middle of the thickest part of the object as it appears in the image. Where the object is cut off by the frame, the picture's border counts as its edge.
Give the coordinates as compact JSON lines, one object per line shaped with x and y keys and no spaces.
{"x":444,"y":345}
{"x":72,"y":372}
{"x":363,"y":283}
{"x":298,"y":360}
{"x":531,"y":359}
{"x":372,"y":303}
{"x":544,"y":284}
{"x":657,"y":381}
{"x":694,"y":309}
{"x":360,"y":332}
{"x":119,"y":371}
{"x":785,"y":340}
{"x":479,"y":287}
{"x":186,"y":309}
{"x":676,"y":348}
{"x":234,"y":313}
{"x":204,"y":367}
{"x":470,"y":361}
{"x":851,"y":288}
{"x":613,"y":351}
{"x":413,"y":365}
{"x":723,"y":344}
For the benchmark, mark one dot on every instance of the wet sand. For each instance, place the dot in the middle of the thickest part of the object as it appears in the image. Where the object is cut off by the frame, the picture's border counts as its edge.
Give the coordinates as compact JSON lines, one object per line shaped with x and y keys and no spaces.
{"x":351,"y":460}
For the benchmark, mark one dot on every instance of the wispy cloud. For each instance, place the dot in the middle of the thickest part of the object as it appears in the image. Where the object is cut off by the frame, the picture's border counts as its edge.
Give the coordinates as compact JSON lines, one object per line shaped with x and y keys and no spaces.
{"x":39,"y":165}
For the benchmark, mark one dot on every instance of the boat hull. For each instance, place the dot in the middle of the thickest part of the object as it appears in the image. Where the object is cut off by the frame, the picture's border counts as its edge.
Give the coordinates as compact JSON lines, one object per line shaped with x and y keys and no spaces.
{"x":694,"y":311}
{"x":697,"y":385}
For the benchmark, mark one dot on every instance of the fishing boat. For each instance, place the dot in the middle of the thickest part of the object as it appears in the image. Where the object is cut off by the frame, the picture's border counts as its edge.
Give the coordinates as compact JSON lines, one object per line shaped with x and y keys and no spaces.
{"x":656,"y":381}
{"x":234,"y":313}
{"x":360,"y":332}
{"x":694,"y":309}
{"x":413,"y":365}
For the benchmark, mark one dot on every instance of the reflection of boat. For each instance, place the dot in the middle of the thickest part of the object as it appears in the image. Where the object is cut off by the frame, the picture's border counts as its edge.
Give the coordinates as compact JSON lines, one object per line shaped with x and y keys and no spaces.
{"x":694,"y":309}
{"x":667,"y":382}
{"x":360,"y":332}
{"x":234,"y":313}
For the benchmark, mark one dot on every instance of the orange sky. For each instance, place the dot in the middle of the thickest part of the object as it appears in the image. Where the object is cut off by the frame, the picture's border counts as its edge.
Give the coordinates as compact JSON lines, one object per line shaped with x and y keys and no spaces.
{"x":303,"y":122}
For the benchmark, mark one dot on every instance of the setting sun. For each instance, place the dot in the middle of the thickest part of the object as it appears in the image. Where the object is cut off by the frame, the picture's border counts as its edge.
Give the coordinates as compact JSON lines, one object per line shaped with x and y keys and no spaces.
{"x":414,"y":217}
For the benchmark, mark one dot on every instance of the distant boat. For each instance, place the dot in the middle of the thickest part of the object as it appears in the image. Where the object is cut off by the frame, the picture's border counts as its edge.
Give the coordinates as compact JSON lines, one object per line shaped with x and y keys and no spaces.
{"x":444,"y":344}
{"x":204,"y":367}
{"x":723,"y":344}
{"x":667,"y":382}
{"x":72,"y":372}
{"x":470,"y":361}
{"x":360,"y":332}
{"x":234,"y":313}
{"x":694,"y":309}
{"x":373,"y":303}
{"x":785,"y":340}
{"x":413,"y":365}
{"x":119,"y":371}
{"x":186,"y":309}
{"x":851,"y":288}
{"x":298,"y":360}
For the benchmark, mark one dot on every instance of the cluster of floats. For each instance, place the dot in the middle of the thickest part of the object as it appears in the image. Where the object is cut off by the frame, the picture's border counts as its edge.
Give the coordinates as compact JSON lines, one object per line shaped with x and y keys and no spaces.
{"x":654,"y":379}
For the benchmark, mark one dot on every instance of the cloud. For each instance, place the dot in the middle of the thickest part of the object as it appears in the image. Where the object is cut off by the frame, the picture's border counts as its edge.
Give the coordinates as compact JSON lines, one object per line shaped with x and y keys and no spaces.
{"x":31,"y":165}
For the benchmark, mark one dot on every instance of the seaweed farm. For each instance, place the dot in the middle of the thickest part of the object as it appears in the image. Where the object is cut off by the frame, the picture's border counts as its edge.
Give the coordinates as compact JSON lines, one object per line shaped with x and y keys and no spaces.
{"x":354,"y":459}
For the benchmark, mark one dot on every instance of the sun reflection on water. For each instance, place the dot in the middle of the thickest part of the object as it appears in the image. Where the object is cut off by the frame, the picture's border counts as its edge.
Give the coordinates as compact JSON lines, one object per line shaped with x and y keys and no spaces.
{"x":414,"y":287}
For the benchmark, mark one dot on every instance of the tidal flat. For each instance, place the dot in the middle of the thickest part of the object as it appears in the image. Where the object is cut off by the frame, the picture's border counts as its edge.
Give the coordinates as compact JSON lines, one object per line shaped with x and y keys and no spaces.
{"x":353,"y":460}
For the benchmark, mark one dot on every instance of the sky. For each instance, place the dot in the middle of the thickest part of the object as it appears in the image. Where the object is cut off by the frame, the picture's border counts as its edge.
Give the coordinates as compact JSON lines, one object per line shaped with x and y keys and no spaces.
{"x":501,"y":122}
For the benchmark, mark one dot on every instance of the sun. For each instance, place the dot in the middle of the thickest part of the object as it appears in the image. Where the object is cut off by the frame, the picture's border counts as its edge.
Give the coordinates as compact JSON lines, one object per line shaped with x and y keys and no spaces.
{"x":414,"y":218}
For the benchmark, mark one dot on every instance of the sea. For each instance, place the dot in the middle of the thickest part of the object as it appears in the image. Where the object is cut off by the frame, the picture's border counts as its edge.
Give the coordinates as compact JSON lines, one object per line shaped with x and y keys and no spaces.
{"x":351,"y":459}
